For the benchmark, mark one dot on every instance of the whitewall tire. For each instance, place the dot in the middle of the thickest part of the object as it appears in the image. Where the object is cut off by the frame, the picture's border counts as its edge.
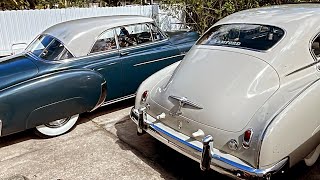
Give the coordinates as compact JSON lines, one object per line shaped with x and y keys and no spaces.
{"x":57,"y":127}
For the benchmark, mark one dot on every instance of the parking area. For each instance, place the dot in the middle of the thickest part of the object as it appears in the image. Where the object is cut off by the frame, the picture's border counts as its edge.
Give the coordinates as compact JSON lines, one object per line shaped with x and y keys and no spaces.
{"x":104,"y":145}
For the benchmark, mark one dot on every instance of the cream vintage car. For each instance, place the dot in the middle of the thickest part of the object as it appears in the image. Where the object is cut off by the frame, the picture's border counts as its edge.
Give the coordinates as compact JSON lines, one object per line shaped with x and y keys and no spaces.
{"x":245,"y":101}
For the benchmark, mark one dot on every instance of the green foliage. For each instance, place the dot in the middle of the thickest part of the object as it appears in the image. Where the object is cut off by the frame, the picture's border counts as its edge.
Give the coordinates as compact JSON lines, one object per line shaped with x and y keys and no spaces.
{"x":201,"y":14}
{"x":43,"y":4}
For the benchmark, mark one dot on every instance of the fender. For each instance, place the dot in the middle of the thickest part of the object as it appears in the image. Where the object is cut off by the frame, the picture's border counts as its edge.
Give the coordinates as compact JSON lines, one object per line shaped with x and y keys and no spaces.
{"x":50,"y":97}
{"x":295,"y":131}
{"x":151,"y":81}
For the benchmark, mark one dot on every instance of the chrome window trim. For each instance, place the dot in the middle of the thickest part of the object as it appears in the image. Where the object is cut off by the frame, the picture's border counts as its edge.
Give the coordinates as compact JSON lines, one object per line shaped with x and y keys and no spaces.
{"x":50,"y":43}
{"x":312,"y":53}
{"x":145,"y":44}
{"x":249,"y":49}
{"x":161,"y":59}
{"x":142,"y":45}
{"x":132,"y":47}
{"x":97,"y":38}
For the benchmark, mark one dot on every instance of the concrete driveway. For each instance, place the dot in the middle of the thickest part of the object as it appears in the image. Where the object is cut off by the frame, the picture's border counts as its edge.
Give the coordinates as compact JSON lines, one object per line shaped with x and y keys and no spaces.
{"x":104,"y":145}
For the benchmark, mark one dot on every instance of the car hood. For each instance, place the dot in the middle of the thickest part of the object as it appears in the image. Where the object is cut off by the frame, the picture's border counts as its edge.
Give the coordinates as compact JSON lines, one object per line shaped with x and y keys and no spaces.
{"x":221,"y":89}
{"x":15,"y":69}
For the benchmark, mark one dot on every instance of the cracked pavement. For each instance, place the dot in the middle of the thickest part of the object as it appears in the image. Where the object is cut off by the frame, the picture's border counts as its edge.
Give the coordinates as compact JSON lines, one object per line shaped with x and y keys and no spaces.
{"x":104,"y":145}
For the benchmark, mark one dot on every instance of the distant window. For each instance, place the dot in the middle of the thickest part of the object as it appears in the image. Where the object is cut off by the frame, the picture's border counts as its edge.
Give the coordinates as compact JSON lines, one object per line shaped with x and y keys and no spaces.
{"x":105,"y":42}
{"x":315,"y":47}
{"x":49,"y":48}
{"x":156,"y":33}
{"x":251,"y":36}
{"x":133,"y":35}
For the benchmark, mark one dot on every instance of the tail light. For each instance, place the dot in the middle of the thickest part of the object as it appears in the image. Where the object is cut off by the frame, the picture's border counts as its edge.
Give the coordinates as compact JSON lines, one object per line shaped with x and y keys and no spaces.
{"x":247,"y":138}
{"x":144,"y":96}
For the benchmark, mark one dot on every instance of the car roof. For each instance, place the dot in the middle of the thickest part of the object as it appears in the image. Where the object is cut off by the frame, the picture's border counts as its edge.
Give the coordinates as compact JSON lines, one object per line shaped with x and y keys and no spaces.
{"x":80,"y":35}
{"x":284,"y":16}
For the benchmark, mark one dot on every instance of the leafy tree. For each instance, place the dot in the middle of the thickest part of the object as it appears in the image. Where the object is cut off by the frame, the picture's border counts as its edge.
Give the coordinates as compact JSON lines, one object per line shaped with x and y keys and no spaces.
{"x":201,"y":14}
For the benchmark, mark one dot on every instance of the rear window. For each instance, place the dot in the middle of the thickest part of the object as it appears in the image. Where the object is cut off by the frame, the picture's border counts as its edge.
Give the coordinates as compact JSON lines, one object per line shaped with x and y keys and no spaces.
{"x":251,"y":36}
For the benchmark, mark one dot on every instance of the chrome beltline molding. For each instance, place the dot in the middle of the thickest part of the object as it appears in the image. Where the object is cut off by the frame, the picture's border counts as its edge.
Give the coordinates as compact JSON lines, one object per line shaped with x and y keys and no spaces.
{"x":219,"y":163}
{"x":162,"y":59}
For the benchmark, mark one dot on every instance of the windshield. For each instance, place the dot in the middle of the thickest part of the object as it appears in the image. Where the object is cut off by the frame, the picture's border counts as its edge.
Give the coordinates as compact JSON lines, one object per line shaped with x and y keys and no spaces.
{"x":49,"y":48}
{"x":251,"y":36}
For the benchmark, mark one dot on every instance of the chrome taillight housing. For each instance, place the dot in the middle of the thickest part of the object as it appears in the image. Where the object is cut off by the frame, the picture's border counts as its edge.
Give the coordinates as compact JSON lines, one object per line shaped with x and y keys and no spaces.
{"x":144,"y":97}
{"x":247,"y":138}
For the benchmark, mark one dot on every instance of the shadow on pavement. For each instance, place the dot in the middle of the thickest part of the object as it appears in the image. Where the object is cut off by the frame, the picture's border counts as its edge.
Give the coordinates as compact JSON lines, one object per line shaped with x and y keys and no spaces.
{"x":17,"y":138}
{"x":165,"y":160}
{"x":85,"y":117}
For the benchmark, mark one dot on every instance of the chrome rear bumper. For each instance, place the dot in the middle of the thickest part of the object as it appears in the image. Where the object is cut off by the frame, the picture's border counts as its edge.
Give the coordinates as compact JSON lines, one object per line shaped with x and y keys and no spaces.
{"x":201,"y":152}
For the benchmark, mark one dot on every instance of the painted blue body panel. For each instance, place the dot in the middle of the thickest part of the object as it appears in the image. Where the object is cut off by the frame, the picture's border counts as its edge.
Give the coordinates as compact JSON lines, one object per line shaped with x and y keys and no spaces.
{"x":35,"y":91}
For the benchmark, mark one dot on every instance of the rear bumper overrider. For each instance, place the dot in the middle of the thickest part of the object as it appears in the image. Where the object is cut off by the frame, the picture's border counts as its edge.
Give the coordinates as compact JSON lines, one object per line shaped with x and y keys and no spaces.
{"x":202,"y":152}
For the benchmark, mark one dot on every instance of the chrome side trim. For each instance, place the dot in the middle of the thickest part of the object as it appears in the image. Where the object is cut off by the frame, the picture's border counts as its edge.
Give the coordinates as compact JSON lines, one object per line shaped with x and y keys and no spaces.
{"x":103,"y":95}
{"x":118,"y":100}
{"x":161,"y":59}
{"x":0,"y":127}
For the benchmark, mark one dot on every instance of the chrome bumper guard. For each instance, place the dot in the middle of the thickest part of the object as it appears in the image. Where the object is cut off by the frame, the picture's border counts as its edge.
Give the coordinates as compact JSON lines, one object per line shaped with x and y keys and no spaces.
{"x":206,"y":157}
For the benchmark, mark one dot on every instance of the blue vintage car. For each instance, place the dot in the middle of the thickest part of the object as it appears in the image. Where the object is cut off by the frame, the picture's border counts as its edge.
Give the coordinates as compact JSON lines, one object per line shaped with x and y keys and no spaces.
{"x":80,"y":65}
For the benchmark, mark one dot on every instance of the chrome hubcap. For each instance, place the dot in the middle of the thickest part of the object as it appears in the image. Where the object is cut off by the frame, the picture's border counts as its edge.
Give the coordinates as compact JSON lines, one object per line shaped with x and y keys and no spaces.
{"x":57,"y":123}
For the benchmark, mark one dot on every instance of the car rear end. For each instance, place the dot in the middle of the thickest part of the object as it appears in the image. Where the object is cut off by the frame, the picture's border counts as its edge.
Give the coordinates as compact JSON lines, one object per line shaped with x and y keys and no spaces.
{"x":205,"y":109}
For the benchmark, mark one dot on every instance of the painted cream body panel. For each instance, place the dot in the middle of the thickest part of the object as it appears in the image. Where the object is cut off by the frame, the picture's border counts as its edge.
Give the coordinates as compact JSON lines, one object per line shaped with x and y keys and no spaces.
{"x":150,"y":82}
{"x":292,"y":128}
{"x":229,"y":86}
{"x":278,"y":120}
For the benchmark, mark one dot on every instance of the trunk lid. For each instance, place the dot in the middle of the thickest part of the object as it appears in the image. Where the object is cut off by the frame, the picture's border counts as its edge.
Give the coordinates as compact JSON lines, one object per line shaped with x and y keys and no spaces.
{"x":15,"y":69}
{"x":224,"y":88}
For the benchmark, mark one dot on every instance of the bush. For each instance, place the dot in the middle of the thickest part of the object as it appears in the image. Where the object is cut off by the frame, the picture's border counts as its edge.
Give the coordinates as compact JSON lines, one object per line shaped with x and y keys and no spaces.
{"x":201,"y":14}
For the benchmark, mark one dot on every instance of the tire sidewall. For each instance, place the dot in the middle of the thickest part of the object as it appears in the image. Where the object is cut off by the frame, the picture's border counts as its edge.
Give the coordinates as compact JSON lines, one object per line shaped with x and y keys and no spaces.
{"x":45,"y":131}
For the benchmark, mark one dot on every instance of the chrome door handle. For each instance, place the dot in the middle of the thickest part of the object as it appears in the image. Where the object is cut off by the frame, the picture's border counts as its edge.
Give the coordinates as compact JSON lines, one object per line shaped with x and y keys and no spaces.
{"x":124,"y":53}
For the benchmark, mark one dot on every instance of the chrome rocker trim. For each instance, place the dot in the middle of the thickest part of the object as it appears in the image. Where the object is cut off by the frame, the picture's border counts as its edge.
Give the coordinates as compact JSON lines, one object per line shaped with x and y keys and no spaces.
{"x":216,"y":161}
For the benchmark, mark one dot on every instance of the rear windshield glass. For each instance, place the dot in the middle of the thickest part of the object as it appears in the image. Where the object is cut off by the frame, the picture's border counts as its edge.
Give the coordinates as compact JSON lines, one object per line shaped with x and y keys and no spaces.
{"x":251,"y":36}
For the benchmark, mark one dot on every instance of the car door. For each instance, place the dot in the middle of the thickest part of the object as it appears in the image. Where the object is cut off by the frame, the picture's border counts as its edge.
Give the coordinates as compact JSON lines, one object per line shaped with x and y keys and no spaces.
{"x":144,"y":50}
{"x":104,"y":58}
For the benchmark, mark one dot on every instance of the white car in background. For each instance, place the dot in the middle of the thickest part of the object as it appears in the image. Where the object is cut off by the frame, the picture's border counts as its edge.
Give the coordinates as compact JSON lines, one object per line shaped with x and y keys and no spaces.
{"x":245,"y":101}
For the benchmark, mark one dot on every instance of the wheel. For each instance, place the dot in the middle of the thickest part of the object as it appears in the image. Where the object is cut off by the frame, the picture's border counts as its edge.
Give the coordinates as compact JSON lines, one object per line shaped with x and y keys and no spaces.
{"x":56,"y":128}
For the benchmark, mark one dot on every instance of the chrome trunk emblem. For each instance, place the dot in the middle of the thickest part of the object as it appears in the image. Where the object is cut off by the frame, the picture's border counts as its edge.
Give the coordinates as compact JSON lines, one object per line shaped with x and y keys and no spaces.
{"x":176,"y":111}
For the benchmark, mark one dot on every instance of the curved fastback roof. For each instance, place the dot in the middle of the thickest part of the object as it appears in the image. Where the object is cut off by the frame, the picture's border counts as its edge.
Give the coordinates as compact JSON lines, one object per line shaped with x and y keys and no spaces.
{"x":80,"y":35}
{"x":285,"y":16}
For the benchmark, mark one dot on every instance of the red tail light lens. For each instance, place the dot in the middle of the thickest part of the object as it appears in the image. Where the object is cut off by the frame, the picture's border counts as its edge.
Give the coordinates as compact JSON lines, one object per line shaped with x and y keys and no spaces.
{"x":144,"y":96}
{"x":247,"y":138}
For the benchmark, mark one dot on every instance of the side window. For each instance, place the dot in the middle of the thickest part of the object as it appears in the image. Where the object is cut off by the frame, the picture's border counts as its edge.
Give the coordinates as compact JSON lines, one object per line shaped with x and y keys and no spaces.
{"x":315,"y":47}
{"x":156,"y":33}
{"x":133,"y":35}
{"x":105,"y":42}
{"x":53,"y":50}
